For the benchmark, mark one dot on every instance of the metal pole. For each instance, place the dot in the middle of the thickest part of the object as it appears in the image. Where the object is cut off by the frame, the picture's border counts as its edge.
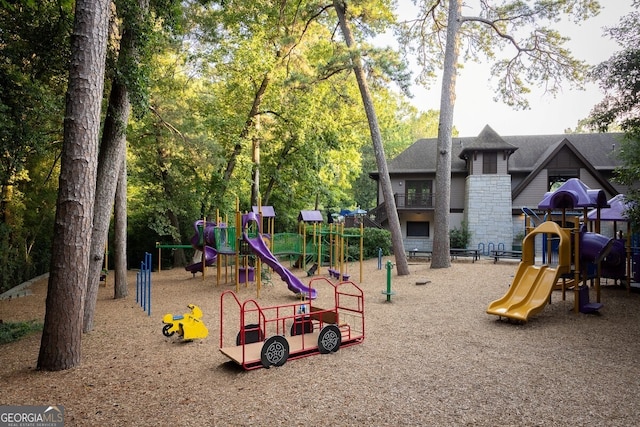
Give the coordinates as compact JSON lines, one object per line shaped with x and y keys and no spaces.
{"x":388,"y":292}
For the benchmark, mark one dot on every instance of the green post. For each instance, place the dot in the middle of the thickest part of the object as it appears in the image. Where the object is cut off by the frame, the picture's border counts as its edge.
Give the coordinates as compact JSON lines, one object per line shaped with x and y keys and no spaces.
{"x":388,"y":292}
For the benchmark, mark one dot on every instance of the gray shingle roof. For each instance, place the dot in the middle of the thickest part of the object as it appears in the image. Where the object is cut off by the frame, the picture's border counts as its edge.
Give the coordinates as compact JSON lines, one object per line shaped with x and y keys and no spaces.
{"x":597,"y":148}
{"x":487,"y":140}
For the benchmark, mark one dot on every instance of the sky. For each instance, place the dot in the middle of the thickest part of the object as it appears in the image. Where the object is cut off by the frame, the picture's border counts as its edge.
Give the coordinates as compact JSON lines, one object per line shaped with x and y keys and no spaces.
{"x":476,"y":108}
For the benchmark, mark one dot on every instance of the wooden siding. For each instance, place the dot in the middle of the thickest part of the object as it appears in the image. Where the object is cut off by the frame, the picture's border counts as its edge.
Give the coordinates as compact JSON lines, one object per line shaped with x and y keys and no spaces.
{"x":591,"y":182}
{"x":477,"y":158}
{"x":458,"y":186}
{"x":476,"y":163}
{"x":503,"y":164}
{"x":565,"y":159}
{"x":534,"y":193}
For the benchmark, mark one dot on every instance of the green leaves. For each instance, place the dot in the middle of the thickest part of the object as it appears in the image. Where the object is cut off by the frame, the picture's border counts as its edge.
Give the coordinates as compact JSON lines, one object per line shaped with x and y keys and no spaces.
{"x":619,"y":77}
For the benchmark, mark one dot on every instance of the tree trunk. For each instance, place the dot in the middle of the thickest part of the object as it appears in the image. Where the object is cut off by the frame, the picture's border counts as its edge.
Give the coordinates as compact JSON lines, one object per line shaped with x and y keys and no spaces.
{"x":112,"y":154}
{"x":221,"y":187}
{"x":255,"y":179}
{"x":179,"y":258}
{"x":111,"y":157}
{"x":283,"y":157}
{"x":120,"y":289}
{"x":441,"y":245}
{"x":60,"y":346}
{"x":402,"y":265}
{"x":168,"y":189}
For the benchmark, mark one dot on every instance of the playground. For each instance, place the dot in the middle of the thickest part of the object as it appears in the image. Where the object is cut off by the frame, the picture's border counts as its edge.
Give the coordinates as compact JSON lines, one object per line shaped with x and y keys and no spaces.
{"x":432,"y":356}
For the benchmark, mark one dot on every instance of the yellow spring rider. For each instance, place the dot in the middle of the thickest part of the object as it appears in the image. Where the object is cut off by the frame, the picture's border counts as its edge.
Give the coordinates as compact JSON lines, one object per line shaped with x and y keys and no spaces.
{"x":189,"y":326}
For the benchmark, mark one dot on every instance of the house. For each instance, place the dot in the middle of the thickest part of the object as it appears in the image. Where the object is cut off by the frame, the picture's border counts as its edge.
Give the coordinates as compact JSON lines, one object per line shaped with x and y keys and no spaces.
{"x":492,"y":178}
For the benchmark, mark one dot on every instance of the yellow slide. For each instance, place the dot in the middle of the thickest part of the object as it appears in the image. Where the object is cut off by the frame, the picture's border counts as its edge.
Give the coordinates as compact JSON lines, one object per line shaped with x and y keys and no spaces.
{"x":532,"y":285}
{"x":528,"y":294}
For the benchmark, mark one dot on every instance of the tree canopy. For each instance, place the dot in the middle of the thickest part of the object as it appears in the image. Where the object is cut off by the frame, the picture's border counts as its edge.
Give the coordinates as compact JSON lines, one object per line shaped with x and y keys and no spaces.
{"x":619,"y":78}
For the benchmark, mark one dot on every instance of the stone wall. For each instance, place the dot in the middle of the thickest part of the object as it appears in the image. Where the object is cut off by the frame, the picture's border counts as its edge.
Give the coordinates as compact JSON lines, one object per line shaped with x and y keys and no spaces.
{"x":488,"y":211}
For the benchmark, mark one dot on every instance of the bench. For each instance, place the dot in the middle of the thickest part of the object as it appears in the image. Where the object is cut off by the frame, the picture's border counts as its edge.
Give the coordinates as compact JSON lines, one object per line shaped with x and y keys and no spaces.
{"x":414,"y":253}
{"x":473,"y":253}
{"x":505,"y":254}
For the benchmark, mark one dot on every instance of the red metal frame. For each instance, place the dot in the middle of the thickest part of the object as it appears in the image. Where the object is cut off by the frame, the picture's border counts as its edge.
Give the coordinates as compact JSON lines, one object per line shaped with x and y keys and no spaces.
{"x":347,"y":314}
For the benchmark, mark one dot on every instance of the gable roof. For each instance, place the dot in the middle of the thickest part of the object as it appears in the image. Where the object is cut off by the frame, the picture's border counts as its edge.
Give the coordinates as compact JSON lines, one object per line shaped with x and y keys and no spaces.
{"x":310,"y":216}
{"x":266,"y":211}
{"x":596,"y":149}
{"x":550,"y":153}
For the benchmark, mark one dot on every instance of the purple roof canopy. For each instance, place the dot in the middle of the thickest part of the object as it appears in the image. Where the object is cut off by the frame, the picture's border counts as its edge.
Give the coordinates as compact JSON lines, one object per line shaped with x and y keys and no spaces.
{"x":616,"y":211}
{"x":310,"y":216}
{"x":266,"y":211}
{"x":573,"y":194}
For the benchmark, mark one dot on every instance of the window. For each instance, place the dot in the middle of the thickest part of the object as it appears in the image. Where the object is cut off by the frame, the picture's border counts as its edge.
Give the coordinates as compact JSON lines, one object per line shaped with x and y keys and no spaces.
{"x":418,"y":194}
{"x":417,"y":228}
{"x":557,"y":177}
{"x":489,"y":162}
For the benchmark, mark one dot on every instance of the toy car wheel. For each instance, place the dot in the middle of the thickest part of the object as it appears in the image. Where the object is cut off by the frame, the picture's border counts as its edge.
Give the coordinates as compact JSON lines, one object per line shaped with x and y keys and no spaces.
{"x":252,"y":333}
{"x":275,"y":351}
{"x":329,"y":339}
{"x":165,"y":330}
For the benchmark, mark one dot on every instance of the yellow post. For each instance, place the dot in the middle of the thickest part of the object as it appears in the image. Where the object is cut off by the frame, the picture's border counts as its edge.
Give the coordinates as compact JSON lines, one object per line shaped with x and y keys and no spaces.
{"x":304,"y":242}
{"x":576,"y":265}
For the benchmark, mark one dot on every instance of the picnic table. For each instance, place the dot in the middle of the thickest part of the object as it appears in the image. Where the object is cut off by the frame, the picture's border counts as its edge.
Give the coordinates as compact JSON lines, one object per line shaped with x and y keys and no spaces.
{"x":455,"y":253}
{"x":497,"y":254}
{"x":473,"y":253}
{"x":413,"y":253}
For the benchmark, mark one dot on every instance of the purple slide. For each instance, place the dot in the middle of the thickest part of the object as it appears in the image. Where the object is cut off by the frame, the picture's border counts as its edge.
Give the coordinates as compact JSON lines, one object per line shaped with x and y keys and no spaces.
{"x":210,"y":254}
{"x":260,"y":248}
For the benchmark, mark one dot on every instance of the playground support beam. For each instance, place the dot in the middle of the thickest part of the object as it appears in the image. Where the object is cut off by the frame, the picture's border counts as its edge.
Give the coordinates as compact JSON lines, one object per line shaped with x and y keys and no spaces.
{"x":160,"y":247}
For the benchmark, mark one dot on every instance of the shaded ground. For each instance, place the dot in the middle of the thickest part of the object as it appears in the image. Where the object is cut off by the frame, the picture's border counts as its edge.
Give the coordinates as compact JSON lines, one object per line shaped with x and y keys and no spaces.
{"x":431,"y":357}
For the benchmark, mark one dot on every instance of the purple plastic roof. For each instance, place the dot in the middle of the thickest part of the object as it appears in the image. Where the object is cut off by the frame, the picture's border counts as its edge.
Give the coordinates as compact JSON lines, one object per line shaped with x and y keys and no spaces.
{"x":310,"y":216}
{"x":267,"y":211}
{"x":615,"y":212}
{"x":573,"y":194}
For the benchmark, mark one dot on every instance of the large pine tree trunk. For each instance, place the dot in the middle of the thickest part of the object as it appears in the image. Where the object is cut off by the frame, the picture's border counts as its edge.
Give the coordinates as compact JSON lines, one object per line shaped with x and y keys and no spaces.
{"x":111,"y":157}
{"x":120,"y":289}
{"x":60,"y":346}
{"x":112,"y":153}
{"x":441,"y":245}
{"x":402,"y":265}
